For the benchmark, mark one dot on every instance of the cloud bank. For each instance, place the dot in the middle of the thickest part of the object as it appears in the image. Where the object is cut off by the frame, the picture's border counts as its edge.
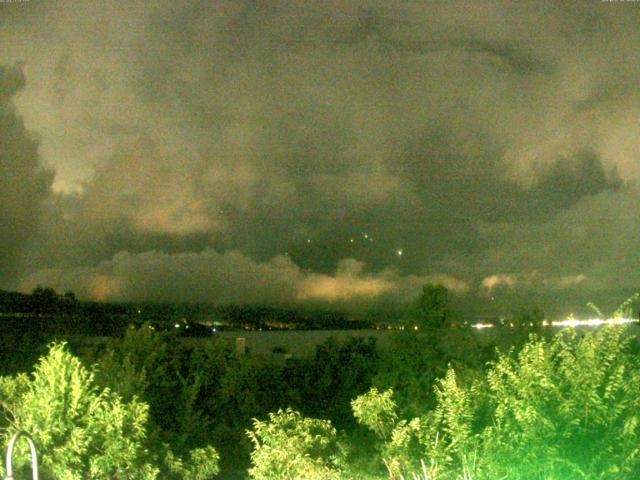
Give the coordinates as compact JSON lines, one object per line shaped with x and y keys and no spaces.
{"x":485,"y":141}
{"x":233,"y":278}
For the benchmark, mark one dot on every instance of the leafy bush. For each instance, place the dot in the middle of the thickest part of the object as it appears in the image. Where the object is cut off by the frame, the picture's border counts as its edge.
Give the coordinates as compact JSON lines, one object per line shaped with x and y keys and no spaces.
{"x":201,"y":393}
{"x":444,"y":435}
{"x":81,"y":430}
{"x":560,"y":408}
{"x":290,"y":446}
{"x":178,"y":382}
{"x":630,"y":308}
{"x":413,"y":363}
{"x":567,"y":408}
{"x":377,"y":411}
{"x":202,"y":464}
{"x":324,"y":386}
{"x":399,"y":440}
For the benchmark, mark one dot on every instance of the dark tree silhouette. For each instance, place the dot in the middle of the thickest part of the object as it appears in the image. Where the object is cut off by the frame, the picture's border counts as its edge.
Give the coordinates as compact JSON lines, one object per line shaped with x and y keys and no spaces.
{"x":45,"y":299}
{"x":434,"y":306}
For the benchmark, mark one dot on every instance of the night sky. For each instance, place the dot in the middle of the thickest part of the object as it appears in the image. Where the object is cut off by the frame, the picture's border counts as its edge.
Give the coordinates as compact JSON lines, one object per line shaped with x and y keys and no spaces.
{"x":338,"y":153}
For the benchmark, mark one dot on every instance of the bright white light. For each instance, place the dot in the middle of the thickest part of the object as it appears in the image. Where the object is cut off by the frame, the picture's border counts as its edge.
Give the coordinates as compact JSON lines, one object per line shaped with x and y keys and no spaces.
{"x":399,"y":252}
{"x":484,"y":325}
{"x":592,"y":322}
{"x":177,"y":325}
{"x":572,"y":322}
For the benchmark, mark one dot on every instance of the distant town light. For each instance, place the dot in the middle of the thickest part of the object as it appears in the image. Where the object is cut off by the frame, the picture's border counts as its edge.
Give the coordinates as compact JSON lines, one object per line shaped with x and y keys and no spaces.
{"x":484,"y":325}
{"x":591,"y":322}
{"x":572,"y":322}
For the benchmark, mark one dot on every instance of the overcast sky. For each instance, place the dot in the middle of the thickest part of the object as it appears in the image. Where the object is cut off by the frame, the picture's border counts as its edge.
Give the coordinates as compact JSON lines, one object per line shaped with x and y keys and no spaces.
{"x":340,"y":153}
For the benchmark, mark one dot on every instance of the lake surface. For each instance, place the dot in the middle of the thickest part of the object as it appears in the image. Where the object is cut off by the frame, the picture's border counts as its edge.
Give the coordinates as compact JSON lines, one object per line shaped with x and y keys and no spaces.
{"x":300,"y":343}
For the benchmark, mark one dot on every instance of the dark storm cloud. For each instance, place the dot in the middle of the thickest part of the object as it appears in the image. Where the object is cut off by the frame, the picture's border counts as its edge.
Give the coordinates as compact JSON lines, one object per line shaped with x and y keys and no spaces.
{"x":329,"y":131}
{"x":569,"y":180}
{"x":23,"y":183}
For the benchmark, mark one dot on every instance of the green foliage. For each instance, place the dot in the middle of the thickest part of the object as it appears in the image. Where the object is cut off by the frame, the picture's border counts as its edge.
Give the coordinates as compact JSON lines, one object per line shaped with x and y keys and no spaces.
{"x":629,"y":308}
{"x":452,"y":441}
{"x":560,"y":408}
{"x":82,"y":431}
{"x":399,"y":440}
{"x":173,"y":379}
{"x":290,"y":446}
{"x":200,"y":393}
{"x":434,"y":306}
{"x":567,"y":408}
{"x":202,"y":464}
{"x":596,"y":309}
{"x":181,"y":384}
{"x":445,"y":435}
{"x":279,"y":349}
{"x":377,"y":411}
{"x":325,"y":385}
{"x":410,"y":366}
{"x":413,"y":363}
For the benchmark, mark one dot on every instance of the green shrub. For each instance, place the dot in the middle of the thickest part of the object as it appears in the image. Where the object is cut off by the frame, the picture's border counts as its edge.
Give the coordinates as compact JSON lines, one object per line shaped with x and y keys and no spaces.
{"x":566,"y":408}
{"x":444,"y":435}
{"x":179,"y":383}
{"x":377,"y":411}
{"x":83,"y":431}
{"x":290,"y":446}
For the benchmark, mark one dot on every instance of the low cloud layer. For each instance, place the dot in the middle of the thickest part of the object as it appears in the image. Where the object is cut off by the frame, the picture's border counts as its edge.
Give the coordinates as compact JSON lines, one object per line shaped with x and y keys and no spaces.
{"x":232,"y":277}
{"x":480,"y":142}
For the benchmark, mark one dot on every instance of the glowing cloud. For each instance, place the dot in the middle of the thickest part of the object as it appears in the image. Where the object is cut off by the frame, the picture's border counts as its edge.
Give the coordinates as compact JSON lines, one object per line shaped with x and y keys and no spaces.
{"x":496,"y":280}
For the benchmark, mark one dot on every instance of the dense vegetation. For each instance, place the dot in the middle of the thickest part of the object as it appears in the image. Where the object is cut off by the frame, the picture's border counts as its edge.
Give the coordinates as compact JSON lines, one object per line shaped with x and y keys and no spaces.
{"x":447,"y":404}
